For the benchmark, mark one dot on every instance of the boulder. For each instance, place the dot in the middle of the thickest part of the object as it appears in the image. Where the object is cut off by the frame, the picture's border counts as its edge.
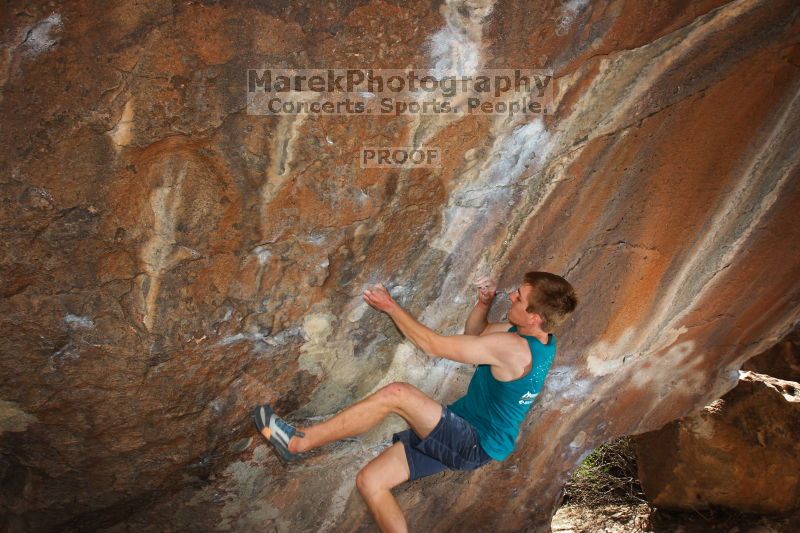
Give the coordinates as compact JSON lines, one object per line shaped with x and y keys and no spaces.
{"x":741,"y":452}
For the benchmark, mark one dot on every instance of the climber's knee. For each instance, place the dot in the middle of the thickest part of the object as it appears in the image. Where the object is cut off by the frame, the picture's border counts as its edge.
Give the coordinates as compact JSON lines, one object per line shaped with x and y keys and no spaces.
{"x":384,"y":472}
{"x":394,"y":394}
{"x":365,"y":482}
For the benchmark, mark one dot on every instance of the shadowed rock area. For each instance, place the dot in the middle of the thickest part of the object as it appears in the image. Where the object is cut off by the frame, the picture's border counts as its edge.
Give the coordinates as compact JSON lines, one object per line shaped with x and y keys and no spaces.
{"x":782,"y":361}
{"x":169,"y":261}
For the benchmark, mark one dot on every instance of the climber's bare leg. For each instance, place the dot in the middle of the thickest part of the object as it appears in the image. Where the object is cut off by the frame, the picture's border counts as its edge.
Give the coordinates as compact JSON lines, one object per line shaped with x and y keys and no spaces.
{"x":375,"y":482}
{"x":421,"y":413}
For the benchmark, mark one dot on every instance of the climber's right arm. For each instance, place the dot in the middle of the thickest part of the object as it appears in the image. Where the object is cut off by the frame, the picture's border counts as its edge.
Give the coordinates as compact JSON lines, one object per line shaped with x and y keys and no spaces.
{"x":476,"y":322}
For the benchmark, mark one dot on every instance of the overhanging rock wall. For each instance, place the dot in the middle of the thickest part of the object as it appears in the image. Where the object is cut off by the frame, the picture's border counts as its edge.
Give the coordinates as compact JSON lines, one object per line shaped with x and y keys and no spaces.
{"x":169,"y":261}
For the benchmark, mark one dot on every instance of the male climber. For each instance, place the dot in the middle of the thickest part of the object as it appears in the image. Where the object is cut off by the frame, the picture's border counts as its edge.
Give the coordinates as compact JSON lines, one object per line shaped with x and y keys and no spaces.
{"x":513,"y":359}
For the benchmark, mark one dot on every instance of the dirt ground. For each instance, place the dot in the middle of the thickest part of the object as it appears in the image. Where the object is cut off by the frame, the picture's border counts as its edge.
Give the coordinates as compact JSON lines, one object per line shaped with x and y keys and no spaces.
{"x":640,"y":518}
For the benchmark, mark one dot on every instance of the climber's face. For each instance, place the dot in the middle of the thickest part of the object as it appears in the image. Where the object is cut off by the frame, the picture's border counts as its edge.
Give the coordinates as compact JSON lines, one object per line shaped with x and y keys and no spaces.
{"x":518,"y":314}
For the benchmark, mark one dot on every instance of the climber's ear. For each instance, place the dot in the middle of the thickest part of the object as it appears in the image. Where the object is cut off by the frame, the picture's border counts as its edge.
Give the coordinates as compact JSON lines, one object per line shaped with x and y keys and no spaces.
{"x":535,"y":319}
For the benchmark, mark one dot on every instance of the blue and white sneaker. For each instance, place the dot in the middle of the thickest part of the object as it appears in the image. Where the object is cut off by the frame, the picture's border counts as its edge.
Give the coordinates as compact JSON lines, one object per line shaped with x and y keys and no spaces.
{"x":280,"y":433}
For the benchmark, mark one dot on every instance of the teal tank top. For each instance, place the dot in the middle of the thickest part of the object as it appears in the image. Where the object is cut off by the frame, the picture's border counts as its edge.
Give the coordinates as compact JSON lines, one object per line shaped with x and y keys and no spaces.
{"x":497,"y":408}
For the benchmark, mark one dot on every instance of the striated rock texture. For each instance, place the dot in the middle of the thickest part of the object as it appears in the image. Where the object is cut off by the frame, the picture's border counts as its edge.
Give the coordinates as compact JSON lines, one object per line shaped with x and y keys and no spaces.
{"x":741,"y":452}
{"x":169,"y":260}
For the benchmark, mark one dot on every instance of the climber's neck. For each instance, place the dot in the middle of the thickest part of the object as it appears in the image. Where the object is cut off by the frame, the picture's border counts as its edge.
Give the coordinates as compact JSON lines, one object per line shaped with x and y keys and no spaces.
{"x":533,"y":331}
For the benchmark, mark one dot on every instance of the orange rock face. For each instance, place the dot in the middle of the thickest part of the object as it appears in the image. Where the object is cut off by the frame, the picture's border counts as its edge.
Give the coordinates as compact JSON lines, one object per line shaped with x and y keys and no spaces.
{"x":169,"y":260}
{"x":739,"y":452}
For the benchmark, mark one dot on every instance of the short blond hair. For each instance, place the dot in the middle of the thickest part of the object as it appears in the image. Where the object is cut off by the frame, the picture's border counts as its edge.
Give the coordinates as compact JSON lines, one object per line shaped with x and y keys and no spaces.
{"x":552,"y":297}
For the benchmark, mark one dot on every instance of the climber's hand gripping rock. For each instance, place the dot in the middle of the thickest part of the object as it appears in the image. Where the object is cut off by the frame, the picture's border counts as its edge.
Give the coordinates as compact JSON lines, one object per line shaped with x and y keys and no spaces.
{"x":487,"y":289}
{"x":378,"y":297}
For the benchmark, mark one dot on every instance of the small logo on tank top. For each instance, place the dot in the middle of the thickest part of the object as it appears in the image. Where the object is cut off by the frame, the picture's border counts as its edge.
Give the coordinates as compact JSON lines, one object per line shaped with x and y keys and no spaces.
{"x":528,"y":398}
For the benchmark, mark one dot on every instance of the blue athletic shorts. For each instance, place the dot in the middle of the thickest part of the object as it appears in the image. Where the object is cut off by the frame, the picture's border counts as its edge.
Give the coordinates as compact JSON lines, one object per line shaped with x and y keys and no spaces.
{"x":453,"y":444}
